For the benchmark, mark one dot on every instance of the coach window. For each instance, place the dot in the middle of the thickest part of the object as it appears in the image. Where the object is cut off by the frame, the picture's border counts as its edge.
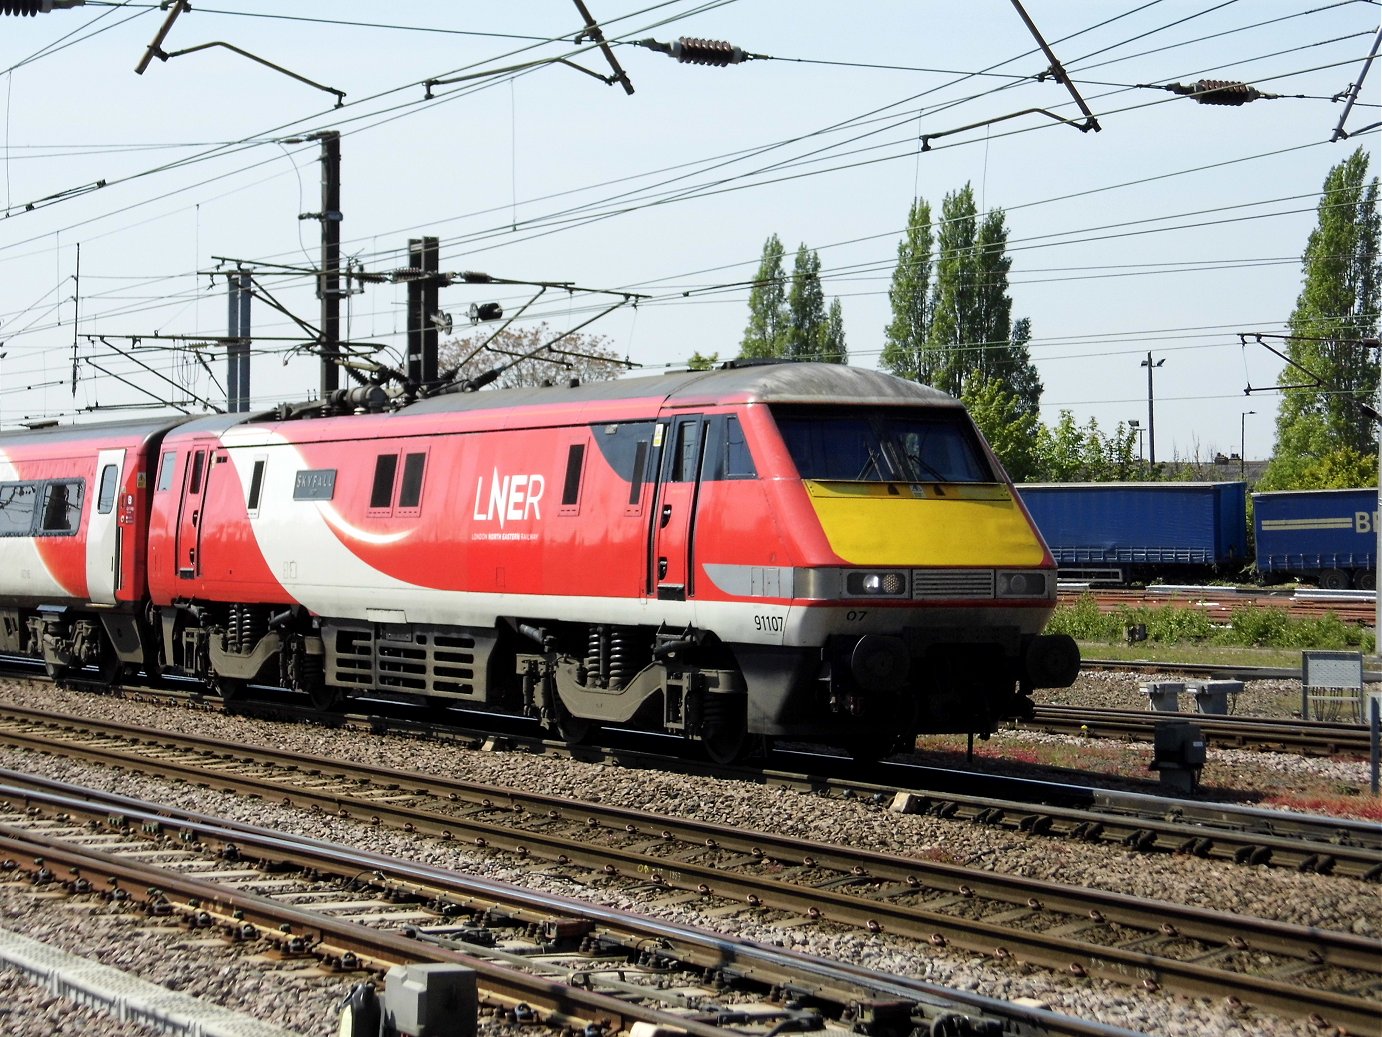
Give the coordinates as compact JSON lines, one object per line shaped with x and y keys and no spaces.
{"x":738,"y":460}
{"x":105,"y":497}
{"x":17,"y":508}
{"x":385,"y":468}
{"x":684,"y":449}
{"x":194,"y":481}
{"x":256,"y":486}
{"x":571,"y":485}
{"x":166,"y":464}
{"x":62,"y":507}
{"x":410,"y":491}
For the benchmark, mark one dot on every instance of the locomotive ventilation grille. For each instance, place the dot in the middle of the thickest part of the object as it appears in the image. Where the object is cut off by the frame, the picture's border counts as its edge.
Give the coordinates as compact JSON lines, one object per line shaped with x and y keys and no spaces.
{"x":952,"y":583}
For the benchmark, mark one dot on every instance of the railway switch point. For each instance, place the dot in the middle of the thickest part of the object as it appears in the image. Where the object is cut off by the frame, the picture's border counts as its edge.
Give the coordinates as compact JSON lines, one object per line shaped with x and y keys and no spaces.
{"x":1178,"y":755}
{"x":1163,"y":696}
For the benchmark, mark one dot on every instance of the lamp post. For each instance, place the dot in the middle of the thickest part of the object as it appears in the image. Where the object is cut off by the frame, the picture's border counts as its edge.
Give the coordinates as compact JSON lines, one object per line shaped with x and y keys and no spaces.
{"x":1242,"y":442}
{"x":1151,"y":416}
{"x":1136,"y":426}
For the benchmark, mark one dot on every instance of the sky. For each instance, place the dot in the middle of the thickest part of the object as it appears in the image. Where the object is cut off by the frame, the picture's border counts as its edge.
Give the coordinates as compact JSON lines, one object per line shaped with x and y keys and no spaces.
{"x":1173,"y":229}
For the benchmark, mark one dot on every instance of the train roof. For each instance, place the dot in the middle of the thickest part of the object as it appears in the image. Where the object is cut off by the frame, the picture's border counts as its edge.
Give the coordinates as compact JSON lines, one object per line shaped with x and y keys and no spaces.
{"x":124,"y":428}
{"x":786,"y":382}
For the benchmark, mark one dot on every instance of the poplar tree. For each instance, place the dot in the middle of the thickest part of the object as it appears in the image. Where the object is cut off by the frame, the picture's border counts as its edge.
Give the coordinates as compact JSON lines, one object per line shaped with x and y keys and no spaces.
{"x":805,"y":308}
{"x":906,"y":336}
{"x":765,"y":335}
{"x":1324,"y":437}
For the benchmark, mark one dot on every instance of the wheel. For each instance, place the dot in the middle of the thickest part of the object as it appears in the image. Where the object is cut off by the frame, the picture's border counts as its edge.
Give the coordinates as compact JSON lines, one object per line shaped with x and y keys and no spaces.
{"x":1365,"y":579}
{"x":324,"y":697}
{"x":228,"y":689}
{"x":724,"y":729}
{"x":1333,"y":580}
{"x":574,"y":730}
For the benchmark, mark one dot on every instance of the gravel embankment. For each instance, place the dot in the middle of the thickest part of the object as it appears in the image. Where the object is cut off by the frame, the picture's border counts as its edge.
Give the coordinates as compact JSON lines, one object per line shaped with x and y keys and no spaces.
{"x":1305,"y":899}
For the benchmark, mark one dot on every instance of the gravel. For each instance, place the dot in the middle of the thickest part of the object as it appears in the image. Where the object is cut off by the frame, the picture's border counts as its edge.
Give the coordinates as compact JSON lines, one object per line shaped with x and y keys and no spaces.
{"x":1334,"y":903}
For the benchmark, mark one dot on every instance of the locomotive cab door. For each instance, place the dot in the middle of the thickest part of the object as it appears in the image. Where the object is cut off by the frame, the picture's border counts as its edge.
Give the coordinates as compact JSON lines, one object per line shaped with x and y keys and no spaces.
{"x":103,"y":533}
{"x":672,"y":559}
{"x":195,"y":474}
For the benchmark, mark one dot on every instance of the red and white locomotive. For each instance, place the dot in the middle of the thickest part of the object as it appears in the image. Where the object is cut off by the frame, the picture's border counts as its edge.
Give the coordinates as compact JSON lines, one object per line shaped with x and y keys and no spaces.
{"x":802,"y":551}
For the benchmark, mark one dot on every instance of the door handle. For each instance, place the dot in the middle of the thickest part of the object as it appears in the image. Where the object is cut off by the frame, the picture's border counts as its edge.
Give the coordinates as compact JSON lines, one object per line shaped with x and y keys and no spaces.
{"x":661,"y":568}
{"x":195,"y":516}
{"x":666,"y":515}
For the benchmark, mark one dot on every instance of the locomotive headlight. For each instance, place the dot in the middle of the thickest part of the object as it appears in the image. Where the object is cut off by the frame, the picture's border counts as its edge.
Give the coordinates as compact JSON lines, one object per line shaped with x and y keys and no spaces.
{"x":1023,"y":584}
{"x":876,"y":584}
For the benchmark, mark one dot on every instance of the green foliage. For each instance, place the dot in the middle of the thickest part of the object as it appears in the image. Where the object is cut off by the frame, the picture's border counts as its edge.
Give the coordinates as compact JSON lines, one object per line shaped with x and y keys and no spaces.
{"x":766,"y":333}
{"x":1251,"y":625}
{"x":789,"y":318}
{"x":1084,"y":622}
{"x":952,"y":323}
{"x":1066,"y":452}
{"x":699,"y":362}
{"x":904,"y":340}
{"x":1011,"y":431}
{"x":833,"y":349}
{"x":1321,"y":432}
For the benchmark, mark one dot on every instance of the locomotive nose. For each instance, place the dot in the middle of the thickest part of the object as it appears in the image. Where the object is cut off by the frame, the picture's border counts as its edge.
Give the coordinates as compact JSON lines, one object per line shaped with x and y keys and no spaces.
{"x":880,"y":663}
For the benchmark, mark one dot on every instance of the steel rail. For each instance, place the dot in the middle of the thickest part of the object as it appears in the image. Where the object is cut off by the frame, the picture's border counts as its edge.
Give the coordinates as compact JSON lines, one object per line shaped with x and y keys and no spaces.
{"x":1145,"y":823}
{"x":155,"y":887}
{"x":1230,"y":731}
{"x":791,"y":971}
{"x":880,"y":878}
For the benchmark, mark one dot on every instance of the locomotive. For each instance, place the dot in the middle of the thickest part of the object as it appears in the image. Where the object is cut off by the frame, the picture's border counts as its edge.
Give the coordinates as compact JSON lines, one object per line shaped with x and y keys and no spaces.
{"x":761,"y":551}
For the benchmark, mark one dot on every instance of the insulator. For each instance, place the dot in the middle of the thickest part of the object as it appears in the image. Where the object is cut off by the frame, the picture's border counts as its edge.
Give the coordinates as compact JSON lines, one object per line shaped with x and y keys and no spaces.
{"x":28,"y":7}
{"x":1224,"y":92}
{"x":692,"y":51}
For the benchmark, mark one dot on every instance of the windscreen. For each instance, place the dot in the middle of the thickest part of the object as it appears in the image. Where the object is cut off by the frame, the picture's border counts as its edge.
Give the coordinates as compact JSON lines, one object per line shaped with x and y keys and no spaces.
{"x":883,"y":445}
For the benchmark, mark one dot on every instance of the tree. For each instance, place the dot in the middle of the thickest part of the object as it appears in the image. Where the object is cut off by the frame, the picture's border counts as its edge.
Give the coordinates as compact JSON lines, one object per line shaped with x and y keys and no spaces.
{"x":792,"y":322}
{"x":805,"y":307}
{"x":580,"y":356}
{"x":833,"y":349}
{"x":1011,"y":431}
{"x":953,"y":295}
{"x":905,"y":338}
{"x":969,"y":330}
{"x":702,"y":362}
{"x":766,"y":332}
{"x":1321,"y":431}
{"x":1070,"y":453}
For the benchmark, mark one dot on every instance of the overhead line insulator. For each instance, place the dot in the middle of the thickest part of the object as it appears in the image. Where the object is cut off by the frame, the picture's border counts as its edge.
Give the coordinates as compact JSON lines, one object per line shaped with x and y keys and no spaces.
{"x":690,"y":50}
{"x":24,"y":8}
{"x":1220,"y":91}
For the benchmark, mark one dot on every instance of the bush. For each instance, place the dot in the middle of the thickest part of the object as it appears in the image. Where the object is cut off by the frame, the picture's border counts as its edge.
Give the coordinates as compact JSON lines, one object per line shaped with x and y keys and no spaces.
{"x":1260,"y":626}
{"x":1255,"y":626}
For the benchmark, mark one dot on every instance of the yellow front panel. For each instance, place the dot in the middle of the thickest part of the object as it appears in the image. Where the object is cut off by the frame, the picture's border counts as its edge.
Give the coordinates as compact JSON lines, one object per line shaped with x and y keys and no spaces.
{"x":925,"y":524}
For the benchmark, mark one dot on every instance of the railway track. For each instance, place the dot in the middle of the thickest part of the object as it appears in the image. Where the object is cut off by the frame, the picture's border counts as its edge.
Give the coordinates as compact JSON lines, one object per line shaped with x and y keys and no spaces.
{"x":1219,"y":603}
{"x":1148,"y":822}
{"x":1290,"y":969}
{"x":542,"y":960}
{"x":1300,"y":736}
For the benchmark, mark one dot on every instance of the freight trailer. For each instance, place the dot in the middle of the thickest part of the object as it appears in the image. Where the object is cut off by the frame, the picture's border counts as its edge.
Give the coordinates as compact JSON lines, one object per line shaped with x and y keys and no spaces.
{"x":1326,"y":536}
{"x":1117,"y":533}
